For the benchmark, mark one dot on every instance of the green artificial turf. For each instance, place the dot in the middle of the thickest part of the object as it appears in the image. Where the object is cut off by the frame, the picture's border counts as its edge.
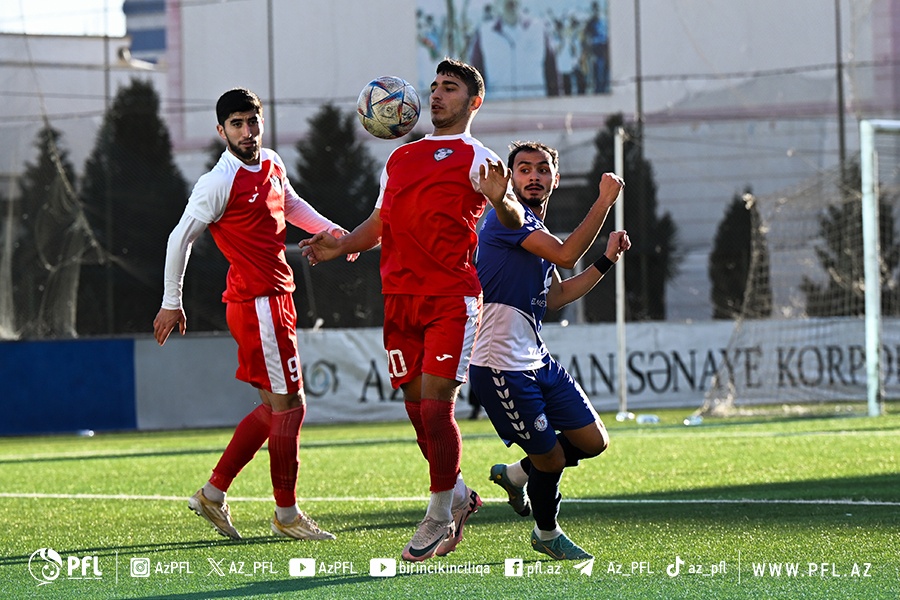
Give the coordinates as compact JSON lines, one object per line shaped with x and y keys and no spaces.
{"x":766,"y":508}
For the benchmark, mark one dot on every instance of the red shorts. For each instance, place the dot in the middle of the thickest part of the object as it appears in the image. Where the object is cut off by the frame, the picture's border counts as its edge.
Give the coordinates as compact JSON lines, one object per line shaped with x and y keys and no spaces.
{"x":429,"y":334}
{"x":265,"y":330}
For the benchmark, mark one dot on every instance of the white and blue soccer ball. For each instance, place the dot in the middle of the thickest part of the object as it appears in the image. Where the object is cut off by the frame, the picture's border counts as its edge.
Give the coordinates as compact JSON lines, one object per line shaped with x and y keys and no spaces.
{"x":388,"y":107}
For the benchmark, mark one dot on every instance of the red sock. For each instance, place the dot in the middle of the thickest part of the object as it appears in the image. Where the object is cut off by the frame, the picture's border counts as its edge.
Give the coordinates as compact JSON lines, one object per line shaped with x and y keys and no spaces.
{"x":284,"y":454}
{"x":248,"y":438}
{"x":414,"y":410}
{"x":444,"y":443}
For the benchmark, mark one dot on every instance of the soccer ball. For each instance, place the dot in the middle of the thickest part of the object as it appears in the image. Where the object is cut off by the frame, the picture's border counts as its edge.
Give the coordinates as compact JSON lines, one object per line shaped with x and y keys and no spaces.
{"x":388,"y":107}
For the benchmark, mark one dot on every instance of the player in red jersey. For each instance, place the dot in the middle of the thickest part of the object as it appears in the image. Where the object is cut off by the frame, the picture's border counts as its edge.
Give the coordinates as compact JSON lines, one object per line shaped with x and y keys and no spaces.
{"x":433,"y":192}
{"x":244,"y":201}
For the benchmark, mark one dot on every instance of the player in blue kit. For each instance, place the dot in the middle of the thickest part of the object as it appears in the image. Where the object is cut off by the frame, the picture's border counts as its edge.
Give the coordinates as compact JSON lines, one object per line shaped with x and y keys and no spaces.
{"x":528,"y":396}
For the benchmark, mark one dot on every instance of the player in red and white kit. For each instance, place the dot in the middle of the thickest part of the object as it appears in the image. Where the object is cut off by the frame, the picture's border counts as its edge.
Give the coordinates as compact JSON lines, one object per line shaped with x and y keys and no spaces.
{"x":433,"y":192}
{"x":244,"y":201}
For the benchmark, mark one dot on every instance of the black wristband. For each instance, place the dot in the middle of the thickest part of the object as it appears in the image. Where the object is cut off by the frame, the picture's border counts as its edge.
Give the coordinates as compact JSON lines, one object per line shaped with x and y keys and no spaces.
{"x":603,"y":264}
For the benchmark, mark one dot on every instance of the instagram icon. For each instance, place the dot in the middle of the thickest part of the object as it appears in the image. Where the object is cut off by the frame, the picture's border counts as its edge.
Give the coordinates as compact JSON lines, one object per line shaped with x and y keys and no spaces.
{"x":140,"y":567}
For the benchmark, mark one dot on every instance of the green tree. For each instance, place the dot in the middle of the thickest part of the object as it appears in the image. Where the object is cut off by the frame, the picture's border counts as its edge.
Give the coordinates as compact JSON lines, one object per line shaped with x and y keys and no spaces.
{"x":740,"y":245}
{"x":337,"y":174}
{"x":52,"y":242}
{"x":214,"y":150}
{"x":133,"y":196}
{"x":841,"y":256}
{"x":650,"y":262}
{"x":8,"y":330}
{"x":30,"y":267}
{"x":339,"y":177}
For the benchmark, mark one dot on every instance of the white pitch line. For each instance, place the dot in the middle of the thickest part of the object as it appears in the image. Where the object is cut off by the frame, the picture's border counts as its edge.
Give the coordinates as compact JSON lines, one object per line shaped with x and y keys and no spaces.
{"x":818,"y":502}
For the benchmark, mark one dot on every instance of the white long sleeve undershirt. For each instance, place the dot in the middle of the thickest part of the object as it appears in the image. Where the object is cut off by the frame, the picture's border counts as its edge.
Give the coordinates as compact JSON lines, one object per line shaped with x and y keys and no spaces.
{"x":178,"y":251}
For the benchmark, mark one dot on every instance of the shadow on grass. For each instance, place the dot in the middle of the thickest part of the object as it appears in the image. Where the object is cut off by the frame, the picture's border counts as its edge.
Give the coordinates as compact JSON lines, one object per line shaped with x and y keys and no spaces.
{"x":494,"y":521}
{"x":100,"y":455}
{"x":869,"y":488}
{"x":399,"y":520}
{"x":120,"y":455}
{"x":617,"y":429}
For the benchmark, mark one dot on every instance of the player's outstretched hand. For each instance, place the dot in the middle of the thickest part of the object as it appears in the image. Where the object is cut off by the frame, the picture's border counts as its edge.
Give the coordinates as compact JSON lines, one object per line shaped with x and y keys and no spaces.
{"x":493,"y":179}
{"x":319,"y":248}
{"x":341,"y":232}
{"x":618,"y":243}
{"x":165,"y":322}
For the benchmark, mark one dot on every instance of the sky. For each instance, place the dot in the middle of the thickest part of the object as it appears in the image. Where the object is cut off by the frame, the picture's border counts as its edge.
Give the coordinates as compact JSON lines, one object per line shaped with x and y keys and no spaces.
{"x":67,"y":17}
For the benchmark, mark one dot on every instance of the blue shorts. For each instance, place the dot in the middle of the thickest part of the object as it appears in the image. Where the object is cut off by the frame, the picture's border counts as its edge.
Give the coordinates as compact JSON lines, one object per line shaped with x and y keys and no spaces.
{"x":528,"y":407}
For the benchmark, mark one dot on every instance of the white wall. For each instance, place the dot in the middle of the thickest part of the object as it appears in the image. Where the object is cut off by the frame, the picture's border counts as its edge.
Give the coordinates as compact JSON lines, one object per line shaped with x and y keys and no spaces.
{"x":63,"y":78}
{"x":734,"y":93}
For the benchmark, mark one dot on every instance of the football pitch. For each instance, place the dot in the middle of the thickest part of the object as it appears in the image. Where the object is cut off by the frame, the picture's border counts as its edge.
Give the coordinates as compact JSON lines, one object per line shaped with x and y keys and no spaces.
{"x":740,"y":508}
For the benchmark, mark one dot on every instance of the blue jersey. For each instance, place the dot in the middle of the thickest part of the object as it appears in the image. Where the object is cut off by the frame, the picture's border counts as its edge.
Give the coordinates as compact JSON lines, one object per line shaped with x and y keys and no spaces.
{"x":515,"y":283}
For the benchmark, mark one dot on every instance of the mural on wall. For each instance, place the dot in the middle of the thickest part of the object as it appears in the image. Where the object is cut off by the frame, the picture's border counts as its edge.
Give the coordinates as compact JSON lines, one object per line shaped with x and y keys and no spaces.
{"x":523,"y":48}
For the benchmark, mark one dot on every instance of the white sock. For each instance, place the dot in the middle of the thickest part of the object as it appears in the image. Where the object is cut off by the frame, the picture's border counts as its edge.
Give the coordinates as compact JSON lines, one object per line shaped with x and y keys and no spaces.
{"x":459,"y":490}
{"x":546,"y":536}
{"x":213,"y":494}
{"x":440,"y":507}
{"x":517,"y":474}
{"x":287,"y":514}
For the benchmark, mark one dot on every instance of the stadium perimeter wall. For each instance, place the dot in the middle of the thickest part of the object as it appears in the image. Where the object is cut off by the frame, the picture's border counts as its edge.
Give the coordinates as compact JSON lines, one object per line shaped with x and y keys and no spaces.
{"x":133,"y":384}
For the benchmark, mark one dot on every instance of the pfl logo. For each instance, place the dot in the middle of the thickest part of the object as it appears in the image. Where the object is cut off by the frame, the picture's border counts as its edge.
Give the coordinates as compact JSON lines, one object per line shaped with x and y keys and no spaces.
{"x":45,"y":566}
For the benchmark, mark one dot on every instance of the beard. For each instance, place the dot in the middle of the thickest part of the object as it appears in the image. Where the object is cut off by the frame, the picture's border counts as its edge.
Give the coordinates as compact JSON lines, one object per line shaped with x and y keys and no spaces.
{"x":250,"y":154}
{"x":534,"y":202}
{"x":529,"y":199}
{"x":449,"y":120}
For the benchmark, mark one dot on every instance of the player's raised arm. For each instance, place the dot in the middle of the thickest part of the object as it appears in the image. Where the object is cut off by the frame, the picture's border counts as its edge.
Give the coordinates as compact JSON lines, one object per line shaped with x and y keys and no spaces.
{"x":566,"y":253}
{"x":563,"y":292}
{"x":494,"y":184}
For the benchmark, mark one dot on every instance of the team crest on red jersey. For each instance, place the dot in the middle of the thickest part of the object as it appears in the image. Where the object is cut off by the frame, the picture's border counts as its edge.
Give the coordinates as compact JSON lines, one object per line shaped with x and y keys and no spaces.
{"x":442,"y":153}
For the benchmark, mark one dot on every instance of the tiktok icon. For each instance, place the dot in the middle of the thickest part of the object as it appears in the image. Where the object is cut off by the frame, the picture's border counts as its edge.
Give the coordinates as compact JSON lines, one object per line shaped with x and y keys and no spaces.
{"x":674,"y":569}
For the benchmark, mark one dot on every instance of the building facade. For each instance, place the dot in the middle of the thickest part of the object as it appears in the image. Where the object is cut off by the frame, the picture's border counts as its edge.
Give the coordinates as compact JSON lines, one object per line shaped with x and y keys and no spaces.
{"x":731,"y":95}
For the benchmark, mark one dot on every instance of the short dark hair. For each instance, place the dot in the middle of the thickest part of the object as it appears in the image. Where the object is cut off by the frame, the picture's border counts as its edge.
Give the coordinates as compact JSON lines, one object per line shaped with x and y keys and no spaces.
{"x":237,"y":100}
{"x":464,"y":71}
{"x":517,"y":146}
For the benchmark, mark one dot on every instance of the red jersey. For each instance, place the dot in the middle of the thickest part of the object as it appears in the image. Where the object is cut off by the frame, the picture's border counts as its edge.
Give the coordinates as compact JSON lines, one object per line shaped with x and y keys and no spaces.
{"x":430,"y":204}
{"x":245,"y":207}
